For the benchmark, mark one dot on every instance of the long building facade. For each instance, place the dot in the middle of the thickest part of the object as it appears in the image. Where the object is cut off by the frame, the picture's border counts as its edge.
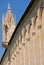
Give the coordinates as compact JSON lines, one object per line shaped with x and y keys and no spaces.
{"x":26,"y":45}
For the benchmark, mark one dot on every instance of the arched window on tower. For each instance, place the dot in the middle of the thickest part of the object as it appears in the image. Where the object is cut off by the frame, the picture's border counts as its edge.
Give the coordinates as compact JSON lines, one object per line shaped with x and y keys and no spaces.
{"x":6,"y":30}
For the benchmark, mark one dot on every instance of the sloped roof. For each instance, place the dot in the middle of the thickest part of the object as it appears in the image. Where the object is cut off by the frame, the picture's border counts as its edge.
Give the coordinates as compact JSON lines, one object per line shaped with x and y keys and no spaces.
{"x":23,"y":16}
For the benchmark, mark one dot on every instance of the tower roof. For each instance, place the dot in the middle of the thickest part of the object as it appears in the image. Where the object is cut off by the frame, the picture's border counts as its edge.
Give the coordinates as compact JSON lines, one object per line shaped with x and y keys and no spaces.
{"x":8,"y":6}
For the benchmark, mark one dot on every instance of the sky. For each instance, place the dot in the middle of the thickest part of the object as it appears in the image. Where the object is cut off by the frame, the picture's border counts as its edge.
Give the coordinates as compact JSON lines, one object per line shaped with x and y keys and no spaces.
{"x":18,"y":7}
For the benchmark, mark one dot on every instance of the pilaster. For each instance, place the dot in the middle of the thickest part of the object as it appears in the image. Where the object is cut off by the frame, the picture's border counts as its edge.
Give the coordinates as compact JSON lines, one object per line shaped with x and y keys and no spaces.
{"x":23,"y":47}
{"x":40,"y":31}
{"x":20,"y":50}
{"x":34,"y":37}
{"x":28,"y":44}
{"x":17,"y":52}
{"x":15,"y":58}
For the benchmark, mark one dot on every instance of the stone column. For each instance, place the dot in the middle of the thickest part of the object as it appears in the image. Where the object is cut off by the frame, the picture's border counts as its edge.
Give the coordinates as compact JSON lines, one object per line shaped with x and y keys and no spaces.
{"x":28,"y":44}
{"x":40,"y":31}
{"x":17,"y":52}
{"x":15,"y":61}
{"x":9,"y":61}
{"x":20,"y":50}
{"x":12,"y":56}
{"x":23,"y":47}
{"x":34,"y":37}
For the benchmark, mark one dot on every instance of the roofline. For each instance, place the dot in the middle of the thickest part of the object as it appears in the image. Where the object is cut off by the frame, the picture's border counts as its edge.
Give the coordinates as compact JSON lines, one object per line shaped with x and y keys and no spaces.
{"x":3,"y":55}
{"x":23,"y":16}
{"x":0,"y":62}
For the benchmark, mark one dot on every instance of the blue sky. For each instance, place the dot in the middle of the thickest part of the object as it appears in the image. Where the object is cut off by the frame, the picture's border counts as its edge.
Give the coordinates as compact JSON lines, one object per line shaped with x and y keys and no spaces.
{"x":18,"y":7}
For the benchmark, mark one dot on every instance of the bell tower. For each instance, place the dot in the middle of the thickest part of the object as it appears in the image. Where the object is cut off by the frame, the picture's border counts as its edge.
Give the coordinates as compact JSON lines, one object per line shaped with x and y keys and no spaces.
{"x":8,"y":27}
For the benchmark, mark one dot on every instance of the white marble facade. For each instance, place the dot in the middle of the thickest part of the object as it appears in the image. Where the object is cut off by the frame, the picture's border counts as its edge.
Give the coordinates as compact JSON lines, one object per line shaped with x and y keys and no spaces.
{"x":27,"y":45}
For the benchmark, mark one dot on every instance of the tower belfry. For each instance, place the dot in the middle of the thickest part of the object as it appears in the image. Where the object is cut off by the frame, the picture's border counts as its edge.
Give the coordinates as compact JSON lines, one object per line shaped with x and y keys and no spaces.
{"x":8,"y":27}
